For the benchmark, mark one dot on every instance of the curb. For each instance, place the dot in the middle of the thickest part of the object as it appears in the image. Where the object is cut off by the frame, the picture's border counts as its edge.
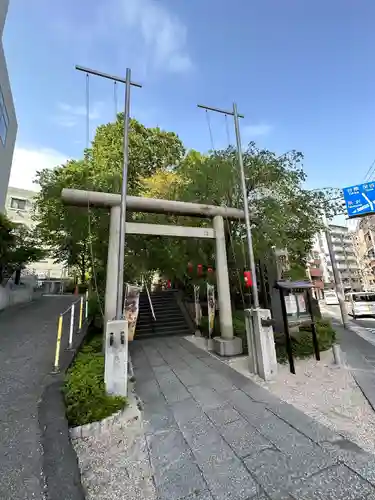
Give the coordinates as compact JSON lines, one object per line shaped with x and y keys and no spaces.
{"x":59,"y":460}
{"x":95,"y":429}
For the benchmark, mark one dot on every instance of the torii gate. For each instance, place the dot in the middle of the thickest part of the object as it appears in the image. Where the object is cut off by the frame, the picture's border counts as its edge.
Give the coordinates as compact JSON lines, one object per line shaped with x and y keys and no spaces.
{"x":229,"y":344}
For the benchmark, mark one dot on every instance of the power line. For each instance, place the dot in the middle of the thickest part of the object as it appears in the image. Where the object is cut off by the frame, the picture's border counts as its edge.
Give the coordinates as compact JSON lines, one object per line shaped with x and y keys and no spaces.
{"x":370,"y":171}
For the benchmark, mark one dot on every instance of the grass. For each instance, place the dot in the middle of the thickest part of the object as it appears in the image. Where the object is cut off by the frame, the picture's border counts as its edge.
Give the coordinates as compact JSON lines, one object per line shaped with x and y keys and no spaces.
{"x":85,"y":397}
{"x":302,"y":345}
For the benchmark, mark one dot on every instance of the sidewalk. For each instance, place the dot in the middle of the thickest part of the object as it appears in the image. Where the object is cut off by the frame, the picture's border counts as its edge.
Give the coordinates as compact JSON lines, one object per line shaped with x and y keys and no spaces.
{"x":27,"y":345}
{"x":358,"y":345}
{"x":213,"y":434}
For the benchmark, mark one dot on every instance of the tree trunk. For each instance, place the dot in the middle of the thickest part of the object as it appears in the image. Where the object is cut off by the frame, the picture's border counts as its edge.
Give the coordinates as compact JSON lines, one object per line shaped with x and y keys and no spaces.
{"x":17,"y":277}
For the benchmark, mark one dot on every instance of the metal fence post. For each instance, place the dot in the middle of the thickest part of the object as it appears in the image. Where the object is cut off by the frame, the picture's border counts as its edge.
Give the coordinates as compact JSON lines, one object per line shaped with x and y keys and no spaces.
{"x":80,"y":313}
{"x":71,"y":328}
{"x":87,"y":305}
{"x":56,"y":366}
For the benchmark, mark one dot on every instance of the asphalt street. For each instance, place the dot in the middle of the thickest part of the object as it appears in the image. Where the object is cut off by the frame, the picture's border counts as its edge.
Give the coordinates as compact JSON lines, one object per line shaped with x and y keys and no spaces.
{"x":27,"y":345}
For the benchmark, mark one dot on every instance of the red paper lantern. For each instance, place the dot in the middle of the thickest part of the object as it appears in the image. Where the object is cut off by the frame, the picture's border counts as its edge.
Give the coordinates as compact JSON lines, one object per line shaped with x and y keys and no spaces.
{"x":209,"y":269}
{"x":169,"y":284}
{"x":199,"y":269}
{"x":247,"y":278}
{"x":190,"y":267}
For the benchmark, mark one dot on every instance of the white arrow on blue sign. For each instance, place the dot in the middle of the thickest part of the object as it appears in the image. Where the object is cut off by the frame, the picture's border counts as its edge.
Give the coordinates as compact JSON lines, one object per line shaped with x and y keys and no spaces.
{"x":360,"y":199}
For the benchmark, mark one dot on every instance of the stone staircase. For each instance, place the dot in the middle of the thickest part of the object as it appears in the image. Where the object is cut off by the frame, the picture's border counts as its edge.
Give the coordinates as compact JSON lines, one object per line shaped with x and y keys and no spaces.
{"x":170,"y":320}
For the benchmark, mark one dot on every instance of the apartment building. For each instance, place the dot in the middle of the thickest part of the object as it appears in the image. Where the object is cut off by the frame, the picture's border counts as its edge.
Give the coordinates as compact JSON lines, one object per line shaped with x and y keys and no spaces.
{"x":8,"y":120}
{"x":365,"y":248}
{"x":344,"y":243}
{"x":19,"y":209}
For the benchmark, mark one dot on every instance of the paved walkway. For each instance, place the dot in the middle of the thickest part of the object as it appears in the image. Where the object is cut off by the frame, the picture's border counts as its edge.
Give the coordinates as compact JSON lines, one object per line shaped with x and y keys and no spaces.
{"x":214,"y":434}
{"x":358,"y":344}
{"x":27,"y":345}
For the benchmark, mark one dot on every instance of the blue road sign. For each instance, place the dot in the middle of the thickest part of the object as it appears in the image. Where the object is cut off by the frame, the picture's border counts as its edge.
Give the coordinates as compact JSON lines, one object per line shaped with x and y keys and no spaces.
{"x":360,"y":199}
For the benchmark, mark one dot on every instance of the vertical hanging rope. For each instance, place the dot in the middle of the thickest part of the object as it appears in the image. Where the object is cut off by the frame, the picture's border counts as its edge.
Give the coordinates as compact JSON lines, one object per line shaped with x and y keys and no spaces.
{"x":227,"y":130}
{"x":115,"y":98}
{"x":210,"y":130}
{"x":89,"y":235}
{"x":87,"y":110}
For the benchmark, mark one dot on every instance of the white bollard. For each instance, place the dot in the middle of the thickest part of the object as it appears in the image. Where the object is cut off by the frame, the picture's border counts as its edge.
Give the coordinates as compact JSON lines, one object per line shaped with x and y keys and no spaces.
{"x":71,"y":328}
{"x":87,"y":305}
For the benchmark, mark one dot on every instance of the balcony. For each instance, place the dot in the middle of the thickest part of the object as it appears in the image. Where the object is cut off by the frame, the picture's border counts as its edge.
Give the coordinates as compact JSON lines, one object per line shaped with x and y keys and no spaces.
{"x":315,"y":272}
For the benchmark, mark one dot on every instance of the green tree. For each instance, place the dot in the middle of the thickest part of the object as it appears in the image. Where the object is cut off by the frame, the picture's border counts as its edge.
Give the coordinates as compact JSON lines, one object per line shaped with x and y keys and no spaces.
{"x":19,"y":246}
{"x":283,"y":213}
{"x":78,"y":236}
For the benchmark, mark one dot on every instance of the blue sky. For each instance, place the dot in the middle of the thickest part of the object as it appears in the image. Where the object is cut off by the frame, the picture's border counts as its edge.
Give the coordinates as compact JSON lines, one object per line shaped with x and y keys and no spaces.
{"x":301,"y":72}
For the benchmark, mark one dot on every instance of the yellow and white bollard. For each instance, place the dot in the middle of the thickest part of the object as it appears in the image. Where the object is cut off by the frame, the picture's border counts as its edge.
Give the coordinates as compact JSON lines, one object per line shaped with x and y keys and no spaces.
{"x":71,"y":327}
{"x":56,"y":366}
{"x":80,"y":314}
{"x":86,"y":305}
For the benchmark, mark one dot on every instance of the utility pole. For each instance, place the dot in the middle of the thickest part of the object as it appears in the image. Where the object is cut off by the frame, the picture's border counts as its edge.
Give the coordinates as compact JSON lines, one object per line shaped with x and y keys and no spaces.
{"x":236,"y":116}
{"x":336,"y":275}
{"x":122,"y":233}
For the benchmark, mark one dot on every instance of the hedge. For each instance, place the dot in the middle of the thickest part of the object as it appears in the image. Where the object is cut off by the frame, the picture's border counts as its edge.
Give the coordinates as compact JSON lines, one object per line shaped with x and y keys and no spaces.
{"x":302,"y":345}
{"x":85,"y":397}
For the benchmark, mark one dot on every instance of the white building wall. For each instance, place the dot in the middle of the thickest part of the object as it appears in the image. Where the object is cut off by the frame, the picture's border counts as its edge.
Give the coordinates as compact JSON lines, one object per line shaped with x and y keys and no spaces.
{"x":19,"y":209}
{"x":8,"y":130}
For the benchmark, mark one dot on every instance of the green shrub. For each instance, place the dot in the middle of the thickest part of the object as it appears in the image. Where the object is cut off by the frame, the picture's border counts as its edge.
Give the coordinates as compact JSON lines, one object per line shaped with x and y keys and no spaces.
{"x":302,"y":345}
{"x":85,"y":397}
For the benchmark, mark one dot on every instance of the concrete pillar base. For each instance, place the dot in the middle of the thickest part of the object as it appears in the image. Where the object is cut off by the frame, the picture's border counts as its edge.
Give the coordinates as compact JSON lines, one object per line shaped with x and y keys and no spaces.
{"x":227,"y":347}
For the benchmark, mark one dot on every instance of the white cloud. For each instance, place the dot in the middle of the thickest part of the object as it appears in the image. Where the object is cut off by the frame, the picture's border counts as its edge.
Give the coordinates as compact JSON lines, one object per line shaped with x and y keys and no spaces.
{"x":145,"y":33}
{"x":256,"y":130}
{"x":27,"y":162}
{"x":163,"y":34}
{"x":70,"y":116}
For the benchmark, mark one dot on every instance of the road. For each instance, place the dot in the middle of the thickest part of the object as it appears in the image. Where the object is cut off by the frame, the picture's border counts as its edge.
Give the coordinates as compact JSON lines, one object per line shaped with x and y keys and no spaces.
{"x":358,"y":345}
{"x":27,"y":345}
{"x":364,"y":327}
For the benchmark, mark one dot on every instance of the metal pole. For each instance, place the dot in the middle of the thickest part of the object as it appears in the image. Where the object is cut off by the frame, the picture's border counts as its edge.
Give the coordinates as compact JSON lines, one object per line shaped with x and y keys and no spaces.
{"x":87,"y":305}
{"x":121,"y":255}
{"x":128,"y":84}
{"x":71,"y":327}
{"x":336,"y":275}
{"x":56,"y":365}
{"x":80,"y":314}
{"x":246,"y":209}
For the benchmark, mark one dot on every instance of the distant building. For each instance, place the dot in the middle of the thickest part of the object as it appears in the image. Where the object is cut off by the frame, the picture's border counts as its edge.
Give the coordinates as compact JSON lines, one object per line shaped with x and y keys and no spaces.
{"x":365,"y":247}
{"x":19,"y":209}
{"x":8,"y":120}
{"x":344,"y":243}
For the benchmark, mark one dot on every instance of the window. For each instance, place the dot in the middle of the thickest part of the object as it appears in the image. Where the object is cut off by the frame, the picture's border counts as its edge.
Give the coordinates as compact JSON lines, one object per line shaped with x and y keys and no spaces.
{"x":4,"y":120}
{"x":18,"y":204}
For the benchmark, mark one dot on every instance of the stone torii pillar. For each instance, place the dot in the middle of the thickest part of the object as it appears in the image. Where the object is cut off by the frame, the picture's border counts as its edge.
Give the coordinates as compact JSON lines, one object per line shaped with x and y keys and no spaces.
{"x":227,"y":344}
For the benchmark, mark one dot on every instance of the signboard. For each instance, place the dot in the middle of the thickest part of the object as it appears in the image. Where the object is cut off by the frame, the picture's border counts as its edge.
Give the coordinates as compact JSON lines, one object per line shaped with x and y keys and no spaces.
{"x":360,"y":199}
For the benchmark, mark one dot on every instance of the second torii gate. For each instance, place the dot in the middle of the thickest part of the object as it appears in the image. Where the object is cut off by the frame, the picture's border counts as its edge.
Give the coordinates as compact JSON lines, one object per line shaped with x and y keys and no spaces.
{"x":229,"y":344}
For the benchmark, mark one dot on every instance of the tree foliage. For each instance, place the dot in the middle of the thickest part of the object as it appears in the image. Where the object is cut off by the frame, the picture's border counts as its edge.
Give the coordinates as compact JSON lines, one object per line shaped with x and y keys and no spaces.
{"x":284,"y":214}
{"x":19,"y":246}
{"x":79,"y":236}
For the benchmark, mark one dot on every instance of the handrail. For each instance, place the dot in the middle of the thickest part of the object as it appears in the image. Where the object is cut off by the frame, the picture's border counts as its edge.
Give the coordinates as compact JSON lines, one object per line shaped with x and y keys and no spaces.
{"x":149,"y":299}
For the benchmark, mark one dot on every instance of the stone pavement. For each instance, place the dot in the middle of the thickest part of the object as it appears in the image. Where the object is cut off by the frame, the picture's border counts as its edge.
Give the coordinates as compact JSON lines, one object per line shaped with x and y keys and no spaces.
{"x":214,"y":434}
{"x":358,"y":345}
{"x":27,"y":345}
